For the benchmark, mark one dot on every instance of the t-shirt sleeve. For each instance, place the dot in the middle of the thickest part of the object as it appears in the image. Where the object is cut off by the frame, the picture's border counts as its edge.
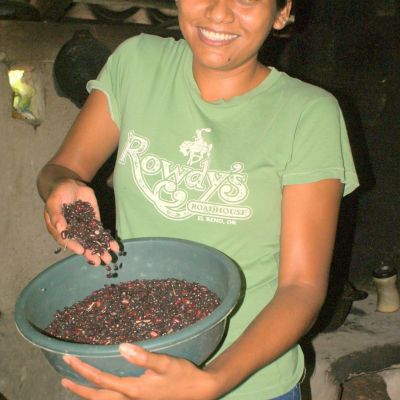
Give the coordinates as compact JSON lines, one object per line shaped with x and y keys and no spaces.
{"x":105,"y":82}
{"x":113,"y":75}
{"x":320,"y":148}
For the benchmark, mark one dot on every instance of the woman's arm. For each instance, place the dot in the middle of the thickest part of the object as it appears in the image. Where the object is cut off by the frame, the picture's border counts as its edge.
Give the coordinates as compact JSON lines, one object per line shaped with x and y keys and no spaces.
{"x":309,"y":218}
{"x":91,"y":140}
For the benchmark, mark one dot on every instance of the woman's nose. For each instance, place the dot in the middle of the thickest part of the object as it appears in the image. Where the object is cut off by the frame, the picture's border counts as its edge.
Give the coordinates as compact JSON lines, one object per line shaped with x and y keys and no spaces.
{"x":220,"y":11}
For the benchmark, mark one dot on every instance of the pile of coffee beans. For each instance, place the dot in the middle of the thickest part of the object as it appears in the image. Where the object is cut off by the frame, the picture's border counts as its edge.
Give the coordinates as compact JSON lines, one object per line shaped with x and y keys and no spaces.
{"x":133,"y":311}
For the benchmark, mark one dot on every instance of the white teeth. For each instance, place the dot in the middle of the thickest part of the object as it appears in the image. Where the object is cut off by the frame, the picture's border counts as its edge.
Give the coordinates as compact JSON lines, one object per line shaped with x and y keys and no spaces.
{"x":218,"y":37}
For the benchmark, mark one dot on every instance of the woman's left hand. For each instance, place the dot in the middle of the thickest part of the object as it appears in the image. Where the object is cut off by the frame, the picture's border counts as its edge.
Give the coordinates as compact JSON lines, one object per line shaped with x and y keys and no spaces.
{"x":164,"y":378}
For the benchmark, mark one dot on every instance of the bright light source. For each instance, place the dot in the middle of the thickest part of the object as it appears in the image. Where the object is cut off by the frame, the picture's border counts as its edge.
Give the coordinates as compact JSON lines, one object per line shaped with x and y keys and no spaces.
{"x":14,"y":76}
{"x":22,"y":95}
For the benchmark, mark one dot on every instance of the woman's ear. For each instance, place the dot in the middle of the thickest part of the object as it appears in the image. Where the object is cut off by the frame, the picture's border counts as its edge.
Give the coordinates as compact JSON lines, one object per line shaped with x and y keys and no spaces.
{"x":282,"y":16}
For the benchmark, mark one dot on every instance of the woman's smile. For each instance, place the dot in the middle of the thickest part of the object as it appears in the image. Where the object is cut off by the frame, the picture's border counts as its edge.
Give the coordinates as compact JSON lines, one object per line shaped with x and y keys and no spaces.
{"x":215,"y":38}
{"x":227,"y":34}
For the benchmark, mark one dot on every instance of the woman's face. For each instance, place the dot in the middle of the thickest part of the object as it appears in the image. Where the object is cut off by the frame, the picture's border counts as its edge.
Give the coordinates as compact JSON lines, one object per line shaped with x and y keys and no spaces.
{"x":227,"y":34}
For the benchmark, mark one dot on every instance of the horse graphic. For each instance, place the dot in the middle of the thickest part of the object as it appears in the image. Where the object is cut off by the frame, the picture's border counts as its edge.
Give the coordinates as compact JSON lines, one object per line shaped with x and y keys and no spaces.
{"x":196,"y":149}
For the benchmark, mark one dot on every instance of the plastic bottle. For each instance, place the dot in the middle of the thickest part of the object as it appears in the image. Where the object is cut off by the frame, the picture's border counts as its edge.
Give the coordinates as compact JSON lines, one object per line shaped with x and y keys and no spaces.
{"x":385,"y":280}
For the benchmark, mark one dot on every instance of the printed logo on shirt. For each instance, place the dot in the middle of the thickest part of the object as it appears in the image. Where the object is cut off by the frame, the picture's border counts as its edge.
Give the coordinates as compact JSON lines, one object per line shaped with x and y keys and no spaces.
{"x":196,"y":150}
{"x":180,"y":191}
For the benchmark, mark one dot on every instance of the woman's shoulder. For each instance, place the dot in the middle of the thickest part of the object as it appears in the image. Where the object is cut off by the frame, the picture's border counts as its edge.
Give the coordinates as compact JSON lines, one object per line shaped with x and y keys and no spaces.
{"x":298,"y":89}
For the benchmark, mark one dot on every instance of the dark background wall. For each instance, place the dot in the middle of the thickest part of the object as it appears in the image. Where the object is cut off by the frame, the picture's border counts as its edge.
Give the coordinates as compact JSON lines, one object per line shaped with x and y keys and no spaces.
{"x":345,"y":46}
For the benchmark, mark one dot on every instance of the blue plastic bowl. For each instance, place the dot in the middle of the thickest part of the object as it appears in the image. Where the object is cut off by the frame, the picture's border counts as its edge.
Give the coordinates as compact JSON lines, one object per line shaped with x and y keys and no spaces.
{"x":70,"y":280}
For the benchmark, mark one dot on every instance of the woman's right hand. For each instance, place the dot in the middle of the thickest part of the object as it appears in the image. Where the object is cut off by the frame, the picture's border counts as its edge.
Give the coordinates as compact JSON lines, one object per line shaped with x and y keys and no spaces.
{"x":65,"y":192}
{"x":91,"y":140}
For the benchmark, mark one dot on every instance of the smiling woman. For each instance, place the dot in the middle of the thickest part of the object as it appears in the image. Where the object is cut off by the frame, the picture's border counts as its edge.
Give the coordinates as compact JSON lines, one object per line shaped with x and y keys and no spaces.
{"x":226,"y":36}
{"x":242,"y":158}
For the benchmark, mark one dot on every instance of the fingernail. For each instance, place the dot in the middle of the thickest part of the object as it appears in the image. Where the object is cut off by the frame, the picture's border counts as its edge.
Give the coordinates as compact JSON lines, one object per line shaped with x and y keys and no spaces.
{"x":128,"y":350}
{"x":65,"y":383}
{"x":67,"y":360}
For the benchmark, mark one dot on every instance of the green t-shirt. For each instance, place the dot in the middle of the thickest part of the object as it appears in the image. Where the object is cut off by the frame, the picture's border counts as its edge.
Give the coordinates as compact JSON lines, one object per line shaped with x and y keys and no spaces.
{"x":213,"y":172}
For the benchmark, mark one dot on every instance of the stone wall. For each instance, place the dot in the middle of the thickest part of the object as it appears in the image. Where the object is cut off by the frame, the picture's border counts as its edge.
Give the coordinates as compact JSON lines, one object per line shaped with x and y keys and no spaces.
{"x":26,"y":247}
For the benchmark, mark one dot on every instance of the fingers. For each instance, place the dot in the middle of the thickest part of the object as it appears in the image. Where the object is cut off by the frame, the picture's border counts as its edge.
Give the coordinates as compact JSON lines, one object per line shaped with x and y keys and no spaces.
{"x":55,"y":225}
{"x":66,"y":193}
{"x":91,"y":393}
{"x":77,"y":248}
{"x":156,"y":363}
{"x":164,"y":377}
{"x":103,"y":380}
{"x":114,"y":246}
{"x":105,"y":258}
{"x":56,"y":231}
{"x":92,"y":259}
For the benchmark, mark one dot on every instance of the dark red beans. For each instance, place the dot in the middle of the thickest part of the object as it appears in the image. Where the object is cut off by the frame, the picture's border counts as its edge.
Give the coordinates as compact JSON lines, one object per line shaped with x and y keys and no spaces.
{"x":85,"y":228}
{"x":133,"y":311}
{"x":89,"y":232}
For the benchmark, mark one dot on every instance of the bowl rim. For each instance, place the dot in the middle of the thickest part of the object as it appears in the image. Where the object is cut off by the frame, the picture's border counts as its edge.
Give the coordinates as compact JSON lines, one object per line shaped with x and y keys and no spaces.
{"x":47,"y":343}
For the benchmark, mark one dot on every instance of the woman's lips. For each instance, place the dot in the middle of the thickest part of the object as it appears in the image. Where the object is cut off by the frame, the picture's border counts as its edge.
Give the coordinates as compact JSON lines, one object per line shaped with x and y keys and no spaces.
{"x":216,"y":38}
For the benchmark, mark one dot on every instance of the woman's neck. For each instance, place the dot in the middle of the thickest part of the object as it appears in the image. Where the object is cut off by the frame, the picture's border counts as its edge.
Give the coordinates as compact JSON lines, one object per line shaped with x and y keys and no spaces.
{"x":223,"y":85}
